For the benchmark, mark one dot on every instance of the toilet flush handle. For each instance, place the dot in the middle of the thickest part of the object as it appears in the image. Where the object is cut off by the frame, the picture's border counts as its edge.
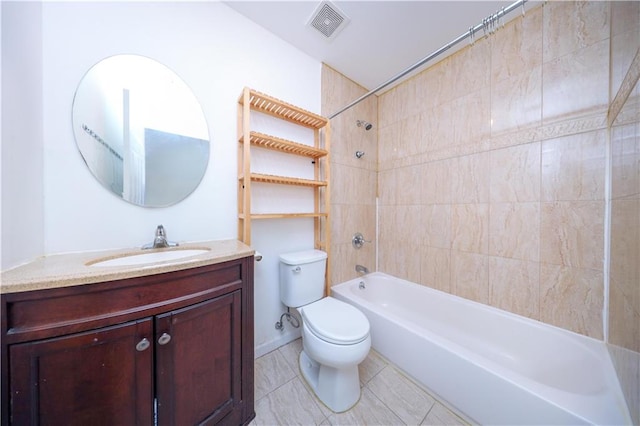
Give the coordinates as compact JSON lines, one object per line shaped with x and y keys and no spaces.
{"x":297,"y":269}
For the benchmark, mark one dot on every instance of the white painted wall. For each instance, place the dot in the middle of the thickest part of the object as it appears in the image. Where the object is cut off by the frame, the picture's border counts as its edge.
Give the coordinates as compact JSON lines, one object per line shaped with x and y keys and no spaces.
{"x":22,"y":231}
{"x":217,"y":52}
{"x":1,"y":168}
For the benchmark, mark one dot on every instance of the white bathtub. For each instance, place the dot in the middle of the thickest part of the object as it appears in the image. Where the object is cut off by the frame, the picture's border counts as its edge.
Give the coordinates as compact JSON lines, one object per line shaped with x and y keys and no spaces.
{"x":494,"y":366}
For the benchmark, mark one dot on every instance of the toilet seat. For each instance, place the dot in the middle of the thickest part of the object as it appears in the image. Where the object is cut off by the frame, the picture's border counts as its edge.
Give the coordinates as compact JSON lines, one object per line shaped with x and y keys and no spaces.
{"x":335,"y":321}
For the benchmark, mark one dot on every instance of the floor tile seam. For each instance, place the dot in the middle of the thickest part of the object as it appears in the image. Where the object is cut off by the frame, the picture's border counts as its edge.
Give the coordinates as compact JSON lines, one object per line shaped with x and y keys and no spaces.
{"x":285,"y":377}
{"x":437,"y":399}
{"x":295,"y":367}
{"x":318,"y":403}
{"x":374,"y":376}
{"x":276,"y":388}
{"x":276,"y":366}
{"x":387,"y":407}
{"x":414,"y":382}
{"x":433,"y":402}
{"x":311,"y":395}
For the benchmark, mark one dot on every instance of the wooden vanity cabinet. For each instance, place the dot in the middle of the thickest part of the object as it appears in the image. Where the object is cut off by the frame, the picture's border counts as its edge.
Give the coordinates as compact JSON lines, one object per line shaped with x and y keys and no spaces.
{"x":85,"y":378}
{"x":171,"y":349}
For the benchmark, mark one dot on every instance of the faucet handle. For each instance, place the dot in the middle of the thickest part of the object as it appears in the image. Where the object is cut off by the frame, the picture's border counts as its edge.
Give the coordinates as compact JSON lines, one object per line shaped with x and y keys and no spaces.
{"x":358,"y":240}
{"x":160,"y":240}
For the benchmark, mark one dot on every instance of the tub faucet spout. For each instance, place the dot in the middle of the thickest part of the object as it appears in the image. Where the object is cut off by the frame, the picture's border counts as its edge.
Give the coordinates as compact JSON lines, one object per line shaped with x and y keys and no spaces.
{"x":361,"y":269}
{"x":160,"y":240}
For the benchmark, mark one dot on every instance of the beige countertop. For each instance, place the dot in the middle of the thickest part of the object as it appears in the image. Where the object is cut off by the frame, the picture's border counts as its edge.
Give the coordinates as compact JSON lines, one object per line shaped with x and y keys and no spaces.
{"x":70,"y":269}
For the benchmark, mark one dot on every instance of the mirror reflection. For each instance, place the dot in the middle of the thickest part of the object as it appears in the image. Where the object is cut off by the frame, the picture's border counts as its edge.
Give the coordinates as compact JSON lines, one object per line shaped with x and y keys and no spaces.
{"x":140,"y":130}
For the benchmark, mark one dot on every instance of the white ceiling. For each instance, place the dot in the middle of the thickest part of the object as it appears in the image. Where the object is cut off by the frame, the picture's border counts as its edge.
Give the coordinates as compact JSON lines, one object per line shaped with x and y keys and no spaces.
{"x":382,"y":39}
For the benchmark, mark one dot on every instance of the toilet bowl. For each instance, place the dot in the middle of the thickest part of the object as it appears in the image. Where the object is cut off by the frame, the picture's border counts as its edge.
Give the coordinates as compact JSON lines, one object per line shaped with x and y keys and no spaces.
{"x":335,"y":335}
{"x":329,"y":360}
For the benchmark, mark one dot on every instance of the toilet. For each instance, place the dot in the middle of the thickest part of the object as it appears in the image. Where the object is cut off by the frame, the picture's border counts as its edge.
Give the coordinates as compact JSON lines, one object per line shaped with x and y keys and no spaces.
{"x":335,"y":335}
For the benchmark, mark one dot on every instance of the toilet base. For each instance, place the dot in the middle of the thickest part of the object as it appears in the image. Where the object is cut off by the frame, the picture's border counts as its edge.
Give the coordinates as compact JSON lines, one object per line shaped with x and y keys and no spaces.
{"x":337,"y":388}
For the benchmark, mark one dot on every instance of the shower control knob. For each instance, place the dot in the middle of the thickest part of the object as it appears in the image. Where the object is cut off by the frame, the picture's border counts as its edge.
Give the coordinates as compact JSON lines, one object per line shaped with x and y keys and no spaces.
{"x":358,"y":240}
{"x":143,"y":345}
{"x":164,"y":339}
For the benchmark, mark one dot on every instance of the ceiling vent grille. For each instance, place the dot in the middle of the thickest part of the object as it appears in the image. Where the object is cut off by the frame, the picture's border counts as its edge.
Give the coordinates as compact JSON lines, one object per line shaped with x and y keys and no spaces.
{"x":328,"y":19}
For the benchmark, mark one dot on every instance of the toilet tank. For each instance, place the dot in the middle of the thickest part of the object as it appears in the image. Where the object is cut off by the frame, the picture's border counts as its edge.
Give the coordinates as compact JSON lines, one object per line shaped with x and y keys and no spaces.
{"x":302,"y":276}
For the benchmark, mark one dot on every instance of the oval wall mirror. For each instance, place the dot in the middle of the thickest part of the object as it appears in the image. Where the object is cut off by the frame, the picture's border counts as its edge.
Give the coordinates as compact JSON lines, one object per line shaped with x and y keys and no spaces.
{"x":140,"y":130}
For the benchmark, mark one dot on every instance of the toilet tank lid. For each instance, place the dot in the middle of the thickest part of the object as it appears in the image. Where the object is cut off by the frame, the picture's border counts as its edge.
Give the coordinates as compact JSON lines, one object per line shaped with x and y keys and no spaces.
{"x":302,"y":257}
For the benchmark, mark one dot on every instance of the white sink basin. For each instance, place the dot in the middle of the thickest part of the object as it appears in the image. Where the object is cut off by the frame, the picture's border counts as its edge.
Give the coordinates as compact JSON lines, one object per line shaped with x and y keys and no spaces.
{"x":134,"y":259}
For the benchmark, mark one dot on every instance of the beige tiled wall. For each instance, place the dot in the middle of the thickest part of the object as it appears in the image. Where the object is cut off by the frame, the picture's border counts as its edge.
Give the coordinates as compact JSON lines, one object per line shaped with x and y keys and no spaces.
{"x":492,"y":169}
{"x":492,"y":174}
{"x":353,"y":180}
{"x":624,"y":275}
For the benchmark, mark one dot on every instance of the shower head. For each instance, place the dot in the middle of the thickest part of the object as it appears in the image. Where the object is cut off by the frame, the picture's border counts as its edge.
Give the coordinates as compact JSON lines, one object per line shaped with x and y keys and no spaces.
{"x":366,"y":125}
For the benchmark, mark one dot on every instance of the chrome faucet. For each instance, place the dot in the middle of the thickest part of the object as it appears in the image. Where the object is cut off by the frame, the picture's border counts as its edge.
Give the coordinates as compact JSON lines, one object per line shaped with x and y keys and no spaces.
{"x":160,"y":240}
{"x":361,"y":269}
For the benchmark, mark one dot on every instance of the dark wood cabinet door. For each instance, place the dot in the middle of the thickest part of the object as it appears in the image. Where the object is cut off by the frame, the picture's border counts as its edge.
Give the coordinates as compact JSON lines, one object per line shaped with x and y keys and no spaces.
{"x":198,"y":363}
{"x":91,"y":378}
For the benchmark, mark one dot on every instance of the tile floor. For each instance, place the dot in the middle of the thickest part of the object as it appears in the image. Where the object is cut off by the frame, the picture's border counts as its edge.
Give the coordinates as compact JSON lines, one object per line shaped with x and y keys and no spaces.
{"x":388,"y":397}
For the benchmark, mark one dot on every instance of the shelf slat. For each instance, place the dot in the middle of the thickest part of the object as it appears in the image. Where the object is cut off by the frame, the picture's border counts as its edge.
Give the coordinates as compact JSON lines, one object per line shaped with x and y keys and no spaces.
{"x":284,"y":180}
{"x":282,"y":145}
{"x":286,"y":111}
{"x":282,"y":215}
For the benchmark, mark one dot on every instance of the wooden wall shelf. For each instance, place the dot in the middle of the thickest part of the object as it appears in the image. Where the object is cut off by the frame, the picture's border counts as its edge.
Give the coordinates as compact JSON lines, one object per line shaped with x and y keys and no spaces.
{"x":253,"y":101}
{"x":283,"y":215}
{"x":283,"y":180}
{"x":283,"y":110}
{"x":282,"y":145}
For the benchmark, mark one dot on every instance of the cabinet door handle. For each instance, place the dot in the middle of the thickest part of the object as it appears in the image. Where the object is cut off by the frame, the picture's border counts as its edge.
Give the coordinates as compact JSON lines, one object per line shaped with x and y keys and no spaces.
{"x":143,"y":345}
{"x":164,"y":339}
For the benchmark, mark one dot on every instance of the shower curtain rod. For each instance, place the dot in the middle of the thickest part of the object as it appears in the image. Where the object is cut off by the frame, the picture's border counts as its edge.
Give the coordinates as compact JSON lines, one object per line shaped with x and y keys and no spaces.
{"x":488,"y":25}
